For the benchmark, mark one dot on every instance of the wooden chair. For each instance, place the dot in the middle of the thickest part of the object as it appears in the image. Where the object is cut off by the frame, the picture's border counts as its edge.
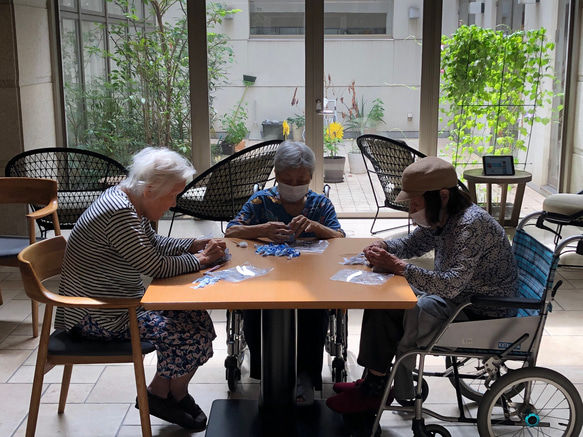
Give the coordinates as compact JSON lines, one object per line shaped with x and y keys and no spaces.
{"x":81,"y":176}
{"x":27,"y":191}
{"x":219,"y":193}
{"x":41,"y":261}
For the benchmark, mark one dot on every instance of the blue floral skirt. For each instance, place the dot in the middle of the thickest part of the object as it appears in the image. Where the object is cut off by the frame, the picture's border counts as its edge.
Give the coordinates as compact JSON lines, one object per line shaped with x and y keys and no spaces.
{"x":183,"y":339}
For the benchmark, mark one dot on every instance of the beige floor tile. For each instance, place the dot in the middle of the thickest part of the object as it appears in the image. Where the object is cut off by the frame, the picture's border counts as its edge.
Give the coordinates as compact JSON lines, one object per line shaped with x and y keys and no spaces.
{"x":82,"y":374}
{"x":87,"y":420}
{"x":562,"y":323}
{"x":13,"y":407}
{"x":16,"y":310}
{"x":561,"y":351}
{"x":10,"y":362}
{"x":20,"y":341}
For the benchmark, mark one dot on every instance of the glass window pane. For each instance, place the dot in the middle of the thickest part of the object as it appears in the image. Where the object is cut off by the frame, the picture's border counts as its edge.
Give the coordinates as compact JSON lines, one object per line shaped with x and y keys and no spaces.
{"x":256,"y":85}
{"x":360,"y":99}
{"x":113,"y":8}
{"x":73,"y":87}
{"x":93,"y":5}
{"x":68,"y":3}
{"x":94,"y":63}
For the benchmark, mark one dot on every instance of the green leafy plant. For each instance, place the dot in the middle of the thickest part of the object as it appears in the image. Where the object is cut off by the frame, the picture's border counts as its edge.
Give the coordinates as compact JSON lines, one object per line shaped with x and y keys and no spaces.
{"x":357,"y":118}
{"x":298,"y":120}
{"x":333,"y":134}
{"x":234,"y":124}
{"x":145,"y":100}
{"x":492,"y":90}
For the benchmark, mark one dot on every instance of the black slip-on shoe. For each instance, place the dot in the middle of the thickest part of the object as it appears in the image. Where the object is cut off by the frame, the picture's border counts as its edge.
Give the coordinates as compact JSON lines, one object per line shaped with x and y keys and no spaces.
{"x":188,"y":404}
{"x":169,"y":410}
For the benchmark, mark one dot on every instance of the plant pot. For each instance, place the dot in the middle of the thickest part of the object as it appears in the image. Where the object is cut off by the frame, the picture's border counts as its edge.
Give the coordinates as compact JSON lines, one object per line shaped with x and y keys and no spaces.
{"x":240,"y":146}
{"x":297,"y":133}
{"x":356,"y":163}
{"x":227,"y":149}
{"x":334,"y":168}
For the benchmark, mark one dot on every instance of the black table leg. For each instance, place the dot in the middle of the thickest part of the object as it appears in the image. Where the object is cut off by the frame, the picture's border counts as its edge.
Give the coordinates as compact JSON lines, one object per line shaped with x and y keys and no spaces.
{"x":278,"y":371}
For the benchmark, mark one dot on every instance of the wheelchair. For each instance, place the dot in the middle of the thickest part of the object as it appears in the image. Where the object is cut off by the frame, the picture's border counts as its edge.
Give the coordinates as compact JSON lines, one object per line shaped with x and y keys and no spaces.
{"x":493,"y":362}
{"x":336,"y":345}
{"x":336,"y":342}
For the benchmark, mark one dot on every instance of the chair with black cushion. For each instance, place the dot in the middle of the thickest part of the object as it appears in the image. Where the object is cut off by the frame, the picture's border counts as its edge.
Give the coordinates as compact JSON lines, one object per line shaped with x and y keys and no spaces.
{"x":24,"y":191}
{"x":220,"y":192}
{"x":81,"y":175}
{"x":41,"y":261}
{"x":388,"y":158}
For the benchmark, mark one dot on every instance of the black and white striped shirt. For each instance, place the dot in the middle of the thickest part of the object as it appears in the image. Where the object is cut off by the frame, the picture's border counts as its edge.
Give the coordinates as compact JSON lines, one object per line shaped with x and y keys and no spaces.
{"x":108,"y":250}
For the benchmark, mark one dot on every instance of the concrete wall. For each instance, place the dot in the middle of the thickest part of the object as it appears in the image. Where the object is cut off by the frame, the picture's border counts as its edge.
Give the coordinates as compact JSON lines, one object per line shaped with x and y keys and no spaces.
{"x":27,"y":119}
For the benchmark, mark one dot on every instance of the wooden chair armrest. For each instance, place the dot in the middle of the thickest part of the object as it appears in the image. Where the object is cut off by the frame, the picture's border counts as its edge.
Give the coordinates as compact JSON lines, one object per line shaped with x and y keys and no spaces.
{"x":89,"y":302}
{"x":43,"y":212}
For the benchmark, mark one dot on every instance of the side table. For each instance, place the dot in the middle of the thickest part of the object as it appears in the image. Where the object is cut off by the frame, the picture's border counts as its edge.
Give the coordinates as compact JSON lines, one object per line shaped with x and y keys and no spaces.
{"x":520,"y":178}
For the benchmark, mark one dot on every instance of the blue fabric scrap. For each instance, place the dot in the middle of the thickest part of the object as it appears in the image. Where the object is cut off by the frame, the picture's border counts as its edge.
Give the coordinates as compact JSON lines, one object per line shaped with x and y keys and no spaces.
{"x":273,"y":249}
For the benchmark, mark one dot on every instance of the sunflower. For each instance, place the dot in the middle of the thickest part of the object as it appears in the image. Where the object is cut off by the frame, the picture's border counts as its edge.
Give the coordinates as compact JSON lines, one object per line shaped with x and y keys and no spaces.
{"x":335,"y":131}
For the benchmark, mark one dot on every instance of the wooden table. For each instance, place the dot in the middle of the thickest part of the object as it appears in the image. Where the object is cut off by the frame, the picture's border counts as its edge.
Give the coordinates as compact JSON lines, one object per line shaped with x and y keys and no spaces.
{"x":520,"y":178}
{"x":302,"y":282}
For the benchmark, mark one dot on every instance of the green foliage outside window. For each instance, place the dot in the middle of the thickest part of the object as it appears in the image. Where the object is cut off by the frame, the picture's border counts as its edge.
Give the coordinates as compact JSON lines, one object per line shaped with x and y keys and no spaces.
{"x":493,"y":87}
{"x":146,"y":98}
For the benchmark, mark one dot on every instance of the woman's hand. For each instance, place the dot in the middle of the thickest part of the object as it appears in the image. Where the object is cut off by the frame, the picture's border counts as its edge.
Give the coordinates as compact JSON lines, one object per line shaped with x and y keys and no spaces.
{"x":378,"y":243}
{"x":278,"y":232}
{"x":301,"y":223}
{"x":212,"y":251}
{"x":198,"y":245}
{"x":379,"y":257}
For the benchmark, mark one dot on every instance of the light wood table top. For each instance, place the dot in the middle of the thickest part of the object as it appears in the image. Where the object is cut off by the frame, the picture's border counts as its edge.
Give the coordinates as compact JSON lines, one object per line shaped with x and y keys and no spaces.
{"x":301,"y":282}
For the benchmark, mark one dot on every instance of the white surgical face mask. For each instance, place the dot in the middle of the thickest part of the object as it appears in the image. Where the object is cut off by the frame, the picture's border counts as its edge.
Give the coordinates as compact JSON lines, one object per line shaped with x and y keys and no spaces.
{"x":419,"y":218}
{"x":292,"y":193}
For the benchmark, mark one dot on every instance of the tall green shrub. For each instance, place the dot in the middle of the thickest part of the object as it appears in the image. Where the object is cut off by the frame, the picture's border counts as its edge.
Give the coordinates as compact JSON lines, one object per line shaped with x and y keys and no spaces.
{"x":146,"y":98}
{"x":492,"y":91}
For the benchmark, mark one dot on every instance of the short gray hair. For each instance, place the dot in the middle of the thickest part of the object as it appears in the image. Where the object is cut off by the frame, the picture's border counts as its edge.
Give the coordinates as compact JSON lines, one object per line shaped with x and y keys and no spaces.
{"x":291,"y":154}
{"x":158,"y":167}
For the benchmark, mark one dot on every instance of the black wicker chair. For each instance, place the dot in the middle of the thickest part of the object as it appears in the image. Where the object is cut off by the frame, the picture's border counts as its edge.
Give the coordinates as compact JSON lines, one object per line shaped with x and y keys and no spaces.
{"x":388,"y":157}
{"x":81,"y":177}
{"x":219,"y":193}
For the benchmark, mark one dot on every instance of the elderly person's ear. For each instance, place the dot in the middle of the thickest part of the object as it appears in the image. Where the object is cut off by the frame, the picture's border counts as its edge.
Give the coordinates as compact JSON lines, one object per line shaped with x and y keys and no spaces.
{"x":444,"y":195}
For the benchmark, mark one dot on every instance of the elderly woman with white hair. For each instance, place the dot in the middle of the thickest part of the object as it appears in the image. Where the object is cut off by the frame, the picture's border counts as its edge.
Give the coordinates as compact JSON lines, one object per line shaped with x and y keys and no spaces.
{"x":290,"y":210}
{"x":109,"y":250}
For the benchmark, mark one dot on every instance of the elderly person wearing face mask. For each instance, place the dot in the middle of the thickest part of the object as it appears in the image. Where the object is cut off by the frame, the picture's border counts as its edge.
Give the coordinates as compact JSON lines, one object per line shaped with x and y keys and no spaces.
{"x":472,"y":256}
{"x":287,"y":211}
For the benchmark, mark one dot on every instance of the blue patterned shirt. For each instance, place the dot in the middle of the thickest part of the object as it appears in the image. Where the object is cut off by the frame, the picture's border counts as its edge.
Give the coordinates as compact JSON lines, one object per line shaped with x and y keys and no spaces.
{"x":472,"y":256}
{"x":265,"y":206}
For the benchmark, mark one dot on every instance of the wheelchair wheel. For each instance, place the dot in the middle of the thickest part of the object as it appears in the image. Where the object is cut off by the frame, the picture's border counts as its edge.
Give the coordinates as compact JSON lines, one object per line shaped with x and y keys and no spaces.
{"x":424,"y":394}
{"x":472,"y":376}
{"x":233,"y":372}
{"x":434,"y":430}
{"x":338,"y":370}
{"x":549,"y":405}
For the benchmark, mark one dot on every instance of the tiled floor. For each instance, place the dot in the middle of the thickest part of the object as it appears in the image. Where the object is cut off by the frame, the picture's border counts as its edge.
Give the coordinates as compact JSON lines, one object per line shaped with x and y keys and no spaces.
{"x":101,"y":397}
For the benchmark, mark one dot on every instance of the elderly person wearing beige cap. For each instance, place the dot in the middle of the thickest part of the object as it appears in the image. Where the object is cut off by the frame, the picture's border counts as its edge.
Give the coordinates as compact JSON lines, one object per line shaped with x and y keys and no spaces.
{"x":472,"y":256}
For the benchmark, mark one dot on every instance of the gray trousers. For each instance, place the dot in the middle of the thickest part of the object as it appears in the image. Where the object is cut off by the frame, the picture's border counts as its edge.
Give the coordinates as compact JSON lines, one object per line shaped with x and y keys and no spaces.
{"x":387,"y":334}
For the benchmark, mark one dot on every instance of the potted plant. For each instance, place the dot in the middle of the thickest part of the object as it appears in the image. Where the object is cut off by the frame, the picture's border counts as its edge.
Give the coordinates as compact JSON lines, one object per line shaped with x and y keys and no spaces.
{"x":355,"y":160}
{"x":297,"y":123}
{"x":235,"y":129}
{"x":357,"y":118}
{"x":333,"y":164}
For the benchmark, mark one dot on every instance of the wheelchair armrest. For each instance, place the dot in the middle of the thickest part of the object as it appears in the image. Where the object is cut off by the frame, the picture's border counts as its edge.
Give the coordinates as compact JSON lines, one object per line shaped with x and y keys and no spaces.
{"x":508,"y":302}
